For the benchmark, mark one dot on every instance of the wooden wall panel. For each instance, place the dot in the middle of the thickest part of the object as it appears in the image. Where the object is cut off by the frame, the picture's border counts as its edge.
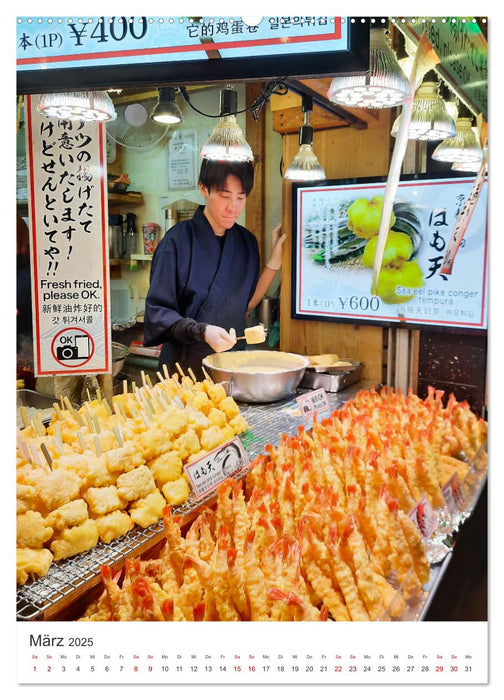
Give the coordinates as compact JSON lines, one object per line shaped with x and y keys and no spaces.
{"x":343,"y":152}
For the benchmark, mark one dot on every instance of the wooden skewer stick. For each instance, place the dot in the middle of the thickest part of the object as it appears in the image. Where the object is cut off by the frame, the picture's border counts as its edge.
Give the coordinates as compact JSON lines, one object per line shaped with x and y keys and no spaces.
{"x":181,"y":371}
{"x":166,"y":373}
{"x":207,"y":376}
{"x":46,"y":454}
{"x":160,"y":377}
{"x":192,"y":375}
{"x":36,"y":428}
{"x":24,"y":416}
{"x":36,"y":456}
{"x":97,"y":446}
{"x":125,"y":386}
{"x":57,"y":410}
{"x":96,"y":423}
{"x":40,"y":424}
{"x":58,"y":439}
{"x":23,"y":446}
{"x":81,"y":440}
{"x":118,"y":436}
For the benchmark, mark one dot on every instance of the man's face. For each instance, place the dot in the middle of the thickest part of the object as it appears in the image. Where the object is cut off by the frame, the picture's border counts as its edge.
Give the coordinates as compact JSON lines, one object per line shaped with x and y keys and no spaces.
{"x":223,"y":207}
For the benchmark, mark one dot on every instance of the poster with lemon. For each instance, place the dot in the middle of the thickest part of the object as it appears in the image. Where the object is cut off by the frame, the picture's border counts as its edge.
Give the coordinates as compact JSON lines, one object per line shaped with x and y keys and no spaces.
{"x":336,"y":227}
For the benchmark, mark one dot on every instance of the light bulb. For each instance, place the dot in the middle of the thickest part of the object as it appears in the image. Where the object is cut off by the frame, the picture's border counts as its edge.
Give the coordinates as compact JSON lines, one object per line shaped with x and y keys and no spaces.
{"x":461,"y":148}
{"x":384,"y":85}
{"x":78,"y":106}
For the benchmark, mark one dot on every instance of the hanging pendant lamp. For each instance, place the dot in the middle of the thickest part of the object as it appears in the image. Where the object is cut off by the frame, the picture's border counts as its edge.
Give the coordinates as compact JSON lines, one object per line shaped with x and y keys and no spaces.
{"x":305,"y":166}
{"x":464,"y":147}
{"x":384,"y":85}
{"x":227,"y":141}
{"x":430,"y":120}
{"x":78,"y":106}
{"x":166,"y":110}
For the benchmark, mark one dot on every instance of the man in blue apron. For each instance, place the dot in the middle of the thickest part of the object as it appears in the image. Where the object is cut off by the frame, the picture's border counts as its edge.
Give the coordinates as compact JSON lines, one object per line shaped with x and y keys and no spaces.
{"x":204,"y":273}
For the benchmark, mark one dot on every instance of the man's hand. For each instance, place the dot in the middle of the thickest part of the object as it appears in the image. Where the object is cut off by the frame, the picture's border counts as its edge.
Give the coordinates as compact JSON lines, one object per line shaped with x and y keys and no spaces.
{"x":219,"y":339}
{"x":277,"y":241}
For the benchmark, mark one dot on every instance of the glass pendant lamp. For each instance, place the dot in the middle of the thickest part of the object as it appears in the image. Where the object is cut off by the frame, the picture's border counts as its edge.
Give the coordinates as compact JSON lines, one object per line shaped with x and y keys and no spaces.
{"x":78,"y":106}
{"x":430,"y":120}
{"x":305,"y":166}
{"x":384,"y":85}
{"x":473,"y":167}
{"x":464,"y":147}
{"x":227,"y":141}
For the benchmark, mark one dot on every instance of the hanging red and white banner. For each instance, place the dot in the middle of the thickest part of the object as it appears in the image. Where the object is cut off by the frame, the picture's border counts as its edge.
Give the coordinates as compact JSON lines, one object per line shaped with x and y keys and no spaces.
{"x":462,"y":222}
{"x":67,"y":198}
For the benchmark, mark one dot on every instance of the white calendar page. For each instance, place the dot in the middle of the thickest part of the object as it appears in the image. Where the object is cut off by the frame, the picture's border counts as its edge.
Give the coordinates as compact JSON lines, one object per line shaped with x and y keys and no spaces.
{"x":313,"y":645}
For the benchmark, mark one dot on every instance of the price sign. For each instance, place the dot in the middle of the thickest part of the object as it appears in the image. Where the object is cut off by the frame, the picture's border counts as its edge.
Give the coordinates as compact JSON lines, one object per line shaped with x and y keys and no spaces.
{"x":207,"y":473}
{"x":424,"y":517}
{"x":314,"y":402}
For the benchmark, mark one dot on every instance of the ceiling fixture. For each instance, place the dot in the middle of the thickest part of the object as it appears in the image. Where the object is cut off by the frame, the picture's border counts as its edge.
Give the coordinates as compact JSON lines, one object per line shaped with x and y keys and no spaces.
{"x":305,"y":166}
{"x":167,"y":110}
{"x":384,"y":85}
{"x":227,"y":141}
{"x":78,"y":106}
{"x":464,"y":147}
{"x":430,"y":120}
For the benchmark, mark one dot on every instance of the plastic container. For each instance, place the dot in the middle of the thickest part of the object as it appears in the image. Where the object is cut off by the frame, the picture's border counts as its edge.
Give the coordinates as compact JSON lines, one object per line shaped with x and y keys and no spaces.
{"x":120,"y":301}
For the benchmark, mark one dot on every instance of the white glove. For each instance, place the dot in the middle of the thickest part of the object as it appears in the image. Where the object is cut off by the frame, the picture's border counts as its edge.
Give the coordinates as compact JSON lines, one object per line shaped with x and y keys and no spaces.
{"x":219,"y":339}
{"x":277,"y":240}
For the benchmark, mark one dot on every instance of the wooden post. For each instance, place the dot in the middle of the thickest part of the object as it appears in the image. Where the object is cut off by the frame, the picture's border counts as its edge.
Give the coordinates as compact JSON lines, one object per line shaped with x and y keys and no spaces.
{"x":255,"y":135}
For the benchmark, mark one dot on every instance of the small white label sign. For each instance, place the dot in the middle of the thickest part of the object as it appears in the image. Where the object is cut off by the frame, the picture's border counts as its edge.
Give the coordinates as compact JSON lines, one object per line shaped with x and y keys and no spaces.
{"x":313,"y":402}
{"x":207,"y":473}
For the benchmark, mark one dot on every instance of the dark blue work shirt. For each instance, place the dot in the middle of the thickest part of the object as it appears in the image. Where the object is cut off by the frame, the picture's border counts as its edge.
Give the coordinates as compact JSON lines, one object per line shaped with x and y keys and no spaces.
{"x":198,"y":278}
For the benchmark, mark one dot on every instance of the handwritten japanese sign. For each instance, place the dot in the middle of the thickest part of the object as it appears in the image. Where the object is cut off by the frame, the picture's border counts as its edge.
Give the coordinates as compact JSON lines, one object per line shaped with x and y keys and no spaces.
{"x":336,"y":228}
{"x":68,"y":227}
{"x":207,"y":473}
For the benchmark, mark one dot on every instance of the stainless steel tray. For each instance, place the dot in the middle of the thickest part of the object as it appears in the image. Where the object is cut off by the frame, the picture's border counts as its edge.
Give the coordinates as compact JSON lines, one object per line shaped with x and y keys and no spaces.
{"x":332,"y":380}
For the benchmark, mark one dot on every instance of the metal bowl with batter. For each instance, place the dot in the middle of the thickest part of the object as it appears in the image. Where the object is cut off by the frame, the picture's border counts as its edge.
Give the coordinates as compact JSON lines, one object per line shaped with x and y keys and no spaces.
{"x":257,"y":376}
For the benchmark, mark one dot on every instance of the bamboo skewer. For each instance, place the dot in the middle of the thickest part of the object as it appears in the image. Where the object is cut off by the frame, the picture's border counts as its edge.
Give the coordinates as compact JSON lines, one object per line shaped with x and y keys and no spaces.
{"x":57,"y":410}
{"x":118,"y":436}
{"x":207,"y":376}
{"x":46,"y":454}
{"x":24,"y":416}
{"x":97,"y":446}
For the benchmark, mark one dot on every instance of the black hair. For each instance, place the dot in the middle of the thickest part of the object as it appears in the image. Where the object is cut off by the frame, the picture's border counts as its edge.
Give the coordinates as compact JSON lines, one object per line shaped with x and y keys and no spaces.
{"x":214,"y":173}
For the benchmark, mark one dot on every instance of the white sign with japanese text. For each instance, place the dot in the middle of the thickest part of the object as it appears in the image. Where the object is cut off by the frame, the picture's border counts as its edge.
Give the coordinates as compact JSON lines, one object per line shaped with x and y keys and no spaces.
{"x":67,"y":196}
{"x":207,"y":473}
{"x":336,"y":235}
